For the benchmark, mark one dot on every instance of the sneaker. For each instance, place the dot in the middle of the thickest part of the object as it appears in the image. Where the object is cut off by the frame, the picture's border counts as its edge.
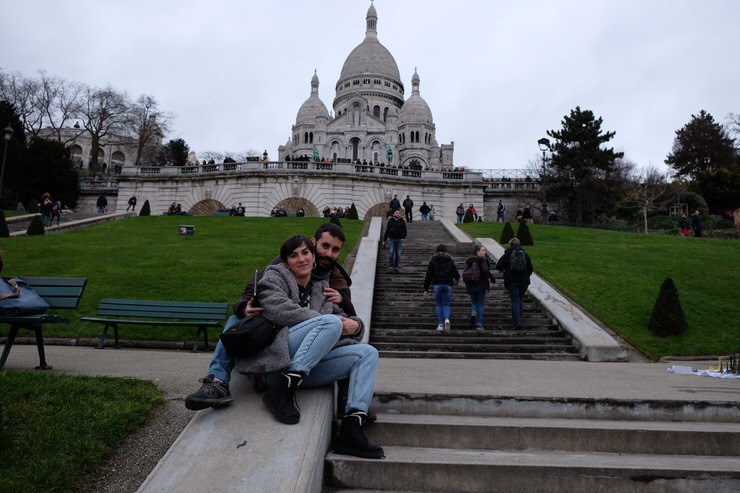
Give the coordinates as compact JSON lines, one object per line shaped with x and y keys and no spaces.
{"x":447,"y":325}
{"x":213,"y":393}
{"x":479,"y":328}
{"x":474,"y":320}
{"x":440,"y":328}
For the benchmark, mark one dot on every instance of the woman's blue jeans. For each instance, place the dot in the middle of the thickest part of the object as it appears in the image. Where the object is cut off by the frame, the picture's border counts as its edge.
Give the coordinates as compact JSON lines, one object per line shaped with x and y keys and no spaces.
{"x":478,"y":305}
{"x":442,"y":296}
{"x":311,"y":346}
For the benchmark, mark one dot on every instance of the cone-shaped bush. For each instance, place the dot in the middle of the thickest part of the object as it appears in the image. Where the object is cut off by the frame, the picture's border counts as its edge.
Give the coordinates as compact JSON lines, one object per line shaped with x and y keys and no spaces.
{"x":667,"y":318}
{"x":4,"y":232}
{"x":352,"y":214}
{"x":524,"y":235}
{"x":35,"y":228}
{"x":468,"y":217}
{"x":33,"y":207}
{"x":507,"y":234}
{"x":146,"y":209}
{"x":335,"y":220}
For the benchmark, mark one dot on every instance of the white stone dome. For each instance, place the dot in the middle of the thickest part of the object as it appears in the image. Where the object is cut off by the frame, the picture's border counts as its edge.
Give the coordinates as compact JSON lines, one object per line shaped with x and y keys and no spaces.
{"x":415,"y":109}
{"x":370,"y":56}
{"x":313,"y":107}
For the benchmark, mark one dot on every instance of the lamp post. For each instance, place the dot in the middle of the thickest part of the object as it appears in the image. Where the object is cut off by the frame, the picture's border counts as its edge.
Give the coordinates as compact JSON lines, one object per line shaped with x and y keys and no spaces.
{"x":544,"y":144}
{"x":7,"y":135}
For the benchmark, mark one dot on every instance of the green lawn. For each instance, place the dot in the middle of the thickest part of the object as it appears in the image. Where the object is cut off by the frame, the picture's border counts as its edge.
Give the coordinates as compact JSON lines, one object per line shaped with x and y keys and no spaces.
{"x":146,"y":258}
{"x":616,"y":277}
{"x":58,"y":430}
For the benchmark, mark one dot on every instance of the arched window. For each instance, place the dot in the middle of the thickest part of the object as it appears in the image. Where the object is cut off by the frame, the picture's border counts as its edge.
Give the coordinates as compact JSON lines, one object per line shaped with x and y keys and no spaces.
{"x":376,"y":111}
{"x":385,"y":113}
{"x":310,"y":137}
{"x":355,"y":143}
{"x":417,"y":136}
{"x":75,"y":152}
{"x":305,"y":137}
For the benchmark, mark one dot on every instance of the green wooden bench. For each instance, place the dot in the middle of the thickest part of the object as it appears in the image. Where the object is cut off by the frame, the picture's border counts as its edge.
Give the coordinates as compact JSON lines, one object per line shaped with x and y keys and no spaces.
{"x":59,"y":293}
{"x":115,"y":312}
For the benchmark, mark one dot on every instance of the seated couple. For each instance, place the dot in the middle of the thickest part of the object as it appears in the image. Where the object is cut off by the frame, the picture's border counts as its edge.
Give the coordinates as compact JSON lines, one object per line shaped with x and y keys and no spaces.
{"x":306,"y":293}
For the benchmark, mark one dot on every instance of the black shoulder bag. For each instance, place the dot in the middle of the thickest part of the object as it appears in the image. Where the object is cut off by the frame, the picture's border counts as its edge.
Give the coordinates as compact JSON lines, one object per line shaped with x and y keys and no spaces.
{"x":251,"y":335}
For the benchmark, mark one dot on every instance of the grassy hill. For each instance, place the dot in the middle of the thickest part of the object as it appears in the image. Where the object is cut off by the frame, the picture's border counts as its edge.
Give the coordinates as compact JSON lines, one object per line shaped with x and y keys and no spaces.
{"x":617,"y":276}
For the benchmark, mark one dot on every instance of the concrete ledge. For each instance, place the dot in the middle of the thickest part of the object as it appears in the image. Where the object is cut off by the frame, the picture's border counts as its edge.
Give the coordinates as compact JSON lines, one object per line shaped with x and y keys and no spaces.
{"x":457,"y":233}
{"x":363,"y":275}
{"x":242,"y":448}
{"x":81,"y":223}
{"x":594,"y":343}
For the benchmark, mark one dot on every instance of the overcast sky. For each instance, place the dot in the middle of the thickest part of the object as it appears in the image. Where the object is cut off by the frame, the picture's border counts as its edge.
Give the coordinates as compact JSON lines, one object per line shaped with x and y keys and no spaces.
{"x":496,"y":74}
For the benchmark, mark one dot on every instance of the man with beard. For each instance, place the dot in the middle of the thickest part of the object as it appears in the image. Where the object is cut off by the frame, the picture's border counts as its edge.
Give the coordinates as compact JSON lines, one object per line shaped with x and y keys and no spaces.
{"x":328,"y":240}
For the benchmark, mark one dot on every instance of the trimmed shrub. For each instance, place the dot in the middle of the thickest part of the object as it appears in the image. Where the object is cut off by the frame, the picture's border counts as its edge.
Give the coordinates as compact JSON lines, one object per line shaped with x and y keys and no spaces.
{"x":352,"y":214}
{"x":524,"y":235}
{"x":33,"y":207}
{"x":468,"y":217}
{"x":146,"y":209}
{"x":4,"y":232}
{"x":667,"y":318}
{"x":507,"y":234}
{"x":35,"y":228}
{"x":335,"y":220}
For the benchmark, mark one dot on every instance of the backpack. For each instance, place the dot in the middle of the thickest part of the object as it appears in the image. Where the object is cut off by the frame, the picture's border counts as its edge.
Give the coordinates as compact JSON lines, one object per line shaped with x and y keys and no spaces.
{"x":471,"y":274}
{"x":518,"y":261}
{"x":55,"y":208}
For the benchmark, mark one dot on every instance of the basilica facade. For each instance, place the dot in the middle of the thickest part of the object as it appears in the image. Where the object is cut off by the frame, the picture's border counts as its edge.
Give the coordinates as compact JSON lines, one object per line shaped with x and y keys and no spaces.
{"x":371,"y":123}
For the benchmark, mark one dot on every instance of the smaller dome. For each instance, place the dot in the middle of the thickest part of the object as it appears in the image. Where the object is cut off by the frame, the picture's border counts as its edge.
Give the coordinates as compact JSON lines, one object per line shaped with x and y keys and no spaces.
{"x":415,"y":109}
{"x":313,"y":107}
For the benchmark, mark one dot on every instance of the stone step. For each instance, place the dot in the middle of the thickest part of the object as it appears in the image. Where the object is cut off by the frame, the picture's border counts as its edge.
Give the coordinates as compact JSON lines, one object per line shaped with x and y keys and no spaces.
{"x":460,"y":354}
{"x":533,"y":471}
{"x":512,"y":433}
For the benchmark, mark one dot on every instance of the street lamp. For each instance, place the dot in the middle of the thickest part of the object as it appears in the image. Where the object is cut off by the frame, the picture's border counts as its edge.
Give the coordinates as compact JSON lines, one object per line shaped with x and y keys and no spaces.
{"x":7,"y":135}
{"x":544,"y":144}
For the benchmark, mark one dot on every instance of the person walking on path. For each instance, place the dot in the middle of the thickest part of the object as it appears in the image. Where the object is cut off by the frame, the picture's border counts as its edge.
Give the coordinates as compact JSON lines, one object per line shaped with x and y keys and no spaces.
{"x":517,"y":267}
{"x":696,"y":223}
{"x":45,"y":209}
{"x":132,"y":203}
{"x":408,"y":206}
{"x":442,"y":274}
{"x":683,"y":225}
{"x":424,"y":211}
{"x":500,"y":211}
{"x":477,"y":288}
{"x":102,"y":204}
{"x":394,"y":205}
{"x":395,"y":234}
{"x":460,"y":213}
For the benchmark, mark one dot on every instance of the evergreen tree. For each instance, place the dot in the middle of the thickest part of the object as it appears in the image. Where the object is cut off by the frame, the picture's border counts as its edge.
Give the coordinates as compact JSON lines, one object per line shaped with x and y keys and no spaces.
{"x":700,"y":146}
{"x":668,"y":318}
{"x":523,"y":233}
{"x":335,"y":220}
{"x":4,"y":232}
{"x":146,"y":209}
{"x":582,"y":175}
{"x":35,"y":228}
{"x":507,"y":234}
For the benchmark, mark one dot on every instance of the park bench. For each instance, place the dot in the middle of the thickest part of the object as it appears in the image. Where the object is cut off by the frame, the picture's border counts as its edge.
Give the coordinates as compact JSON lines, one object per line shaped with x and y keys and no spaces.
{"x":115,"y":312}
{"x":59,"y":293}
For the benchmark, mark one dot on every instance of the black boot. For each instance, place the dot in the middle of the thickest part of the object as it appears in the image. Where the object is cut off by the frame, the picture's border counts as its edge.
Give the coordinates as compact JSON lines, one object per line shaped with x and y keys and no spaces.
{"x":280,"y":398}
{"x":350,"y":440}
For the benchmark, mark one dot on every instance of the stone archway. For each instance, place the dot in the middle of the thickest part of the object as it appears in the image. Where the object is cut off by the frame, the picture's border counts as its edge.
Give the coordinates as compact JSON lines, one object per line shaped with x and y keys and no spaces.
{"x":378,"y":210}
{"x":206,"y":207}
{"x":292,"y":204}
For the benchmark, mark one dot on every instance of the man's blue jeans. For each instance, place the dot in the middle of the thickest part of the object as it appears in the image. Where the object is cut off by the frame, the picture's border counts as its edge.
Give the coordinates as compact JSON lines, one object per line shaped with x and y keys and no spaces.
{"x":311,"y":346}
{"x":500,"y":217}
{"x":394,"y":248}
{"x":442,"y":297}
{"x":478,"y":305}
{"x":517,"y":291}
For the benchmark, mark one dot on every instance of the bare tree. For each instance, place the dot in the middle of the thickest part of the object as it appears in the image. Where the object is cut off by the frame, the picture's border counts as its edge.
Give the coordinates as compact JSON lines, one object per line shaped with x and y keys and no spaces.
{"x":150,"y":125}
{"x":106,"y":116}
{"x":59,"y":102}
{"x":644,"y":191}
{"x":21,"y":93}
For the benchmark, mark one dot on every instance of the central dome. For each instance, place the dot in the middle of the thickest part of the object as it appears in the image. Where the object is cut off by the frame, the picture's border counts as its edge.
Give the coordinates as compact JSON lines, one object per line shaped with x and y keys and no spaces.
{"x":370,"y":56}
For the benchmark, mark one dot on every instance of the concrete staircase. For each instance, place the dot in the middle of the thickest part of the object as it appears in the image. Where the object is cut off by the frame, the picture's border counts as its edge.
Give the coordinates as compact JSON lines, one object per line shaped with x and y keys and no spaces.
{"x":438,"y":443}
{"x":404,"y":323}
